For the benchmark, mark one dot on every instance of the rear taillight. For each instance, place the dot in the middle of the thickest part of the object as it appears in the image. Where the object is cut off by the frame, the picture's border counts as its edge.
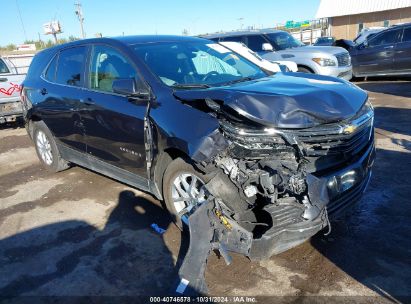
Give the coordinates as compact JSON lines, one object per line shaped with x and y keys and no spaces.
{"x":22,"y":94}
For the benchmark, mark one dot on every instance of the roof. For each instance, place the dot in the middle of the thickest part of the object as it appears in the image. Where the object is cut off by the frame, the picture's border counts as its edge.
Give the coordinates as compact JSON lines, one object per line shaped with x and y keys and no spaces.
{"x":334,"y":8}
{"x":153,"y":38}
{"x":127,"y":40}
{"x":239,"y":33}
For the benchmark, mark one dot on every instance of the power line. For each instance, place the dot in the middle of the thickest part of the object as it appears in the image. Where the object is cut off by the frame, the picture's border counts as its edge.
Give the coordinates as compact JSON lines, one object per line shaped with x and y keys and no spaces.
{"x":21,"y":20}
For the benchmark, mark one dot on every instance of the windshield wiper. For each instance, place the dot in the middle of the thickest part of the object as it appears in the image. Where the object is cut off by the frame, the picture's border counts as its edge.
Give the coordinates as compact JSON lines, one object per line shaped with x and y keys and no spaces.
{"x":239,"y":80}
{"x":190,"y":86}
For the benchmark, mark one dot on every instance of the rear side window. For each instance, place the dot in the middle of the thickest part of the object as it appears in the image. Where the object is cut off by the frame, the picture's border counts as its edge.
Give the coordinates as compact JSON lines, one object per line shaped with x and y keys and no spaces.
{"x":50,"y":74}
{"x":406,"y":37}
{"x":3,"y":67}
{"x":71,"y":65}
{"x":255,"y":42}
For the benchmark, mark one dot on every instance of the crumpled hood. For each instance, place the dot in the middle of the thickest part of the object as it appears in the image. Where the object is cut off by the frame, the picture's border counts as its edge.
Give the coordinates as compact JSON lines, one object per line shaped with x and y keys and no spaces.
{"x":289,"y":100}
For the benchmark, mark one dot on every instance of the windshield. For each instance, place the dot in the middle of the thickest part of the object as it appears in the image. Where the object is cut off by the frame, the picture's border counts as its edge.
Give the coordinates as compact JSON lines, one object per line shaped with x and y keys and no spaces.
{"x":283,"y":41}
{"x":191,"y":64}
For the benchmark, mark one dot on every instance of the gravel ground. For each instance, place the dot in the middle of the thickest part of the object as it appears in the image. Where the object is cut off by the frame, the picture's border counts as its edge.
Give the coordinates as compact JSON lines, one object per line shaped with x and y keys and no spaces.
{"x":77,"y":233}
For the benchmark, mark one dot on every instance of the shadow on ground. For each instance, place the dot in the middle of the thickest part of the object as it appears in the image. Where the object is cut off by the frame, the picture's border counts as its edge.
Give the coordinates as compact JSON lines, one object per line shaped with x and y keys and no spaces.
{"x":381,"y":85}
{"x":19,"y":123}
{"x":75,"y":258}
{"x":401,"y":117}
{"x":373,"y":243}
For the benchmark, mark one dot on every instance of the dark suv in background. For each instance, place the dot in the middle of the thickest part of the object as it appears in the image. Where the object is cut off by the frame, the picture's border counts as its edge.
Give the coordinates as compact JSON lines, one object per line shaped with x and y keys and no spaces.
{"x":191,"y":122}
{"x":386,"y":53}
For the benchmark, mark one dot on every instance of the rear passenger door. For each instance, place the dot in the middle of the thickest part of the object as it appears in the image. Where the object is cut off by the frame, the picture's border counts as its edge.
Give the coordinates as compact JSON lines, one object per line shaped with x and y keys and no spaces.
{"x":402,"y":57}
{"x":62,"y":93}
{"x":114,"y":123}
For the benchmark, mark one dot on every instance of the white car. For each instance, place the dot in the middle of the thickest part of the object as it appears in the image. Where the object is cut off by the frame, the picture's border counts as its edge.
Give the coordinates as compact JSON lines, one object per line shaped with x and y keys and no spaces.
{"x":273,"y":66}
{"x":274,"y":45}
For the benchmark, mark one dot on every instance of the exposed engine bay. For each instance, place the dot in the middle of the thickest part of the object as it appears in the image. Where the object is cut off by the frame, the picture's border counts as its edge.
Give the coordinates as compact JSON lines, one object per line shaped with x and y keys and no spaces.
{"x":272,"y":189}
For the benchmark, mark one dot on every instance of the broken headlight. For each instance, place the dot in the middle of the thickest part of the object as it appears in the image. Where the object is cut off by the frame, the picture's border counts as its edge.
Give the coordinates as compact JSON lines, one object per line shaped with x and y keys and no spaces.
{"x":263,"y":140}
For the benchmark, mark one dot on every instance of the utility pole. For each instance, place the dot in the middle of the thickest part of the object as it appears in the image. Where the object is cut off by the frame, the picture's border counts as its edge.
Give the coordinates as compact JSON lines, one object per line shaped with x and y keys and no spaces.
{"x":79,"y":13}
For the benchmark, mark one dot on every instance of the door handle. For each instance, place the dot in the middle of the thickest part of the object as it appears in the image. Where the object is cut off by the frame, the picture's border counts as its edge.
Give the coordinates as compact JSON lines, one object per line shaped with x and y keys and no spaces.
{"x":88,"y":101}
{"x":43,"y":91}
{"x":3,"y":79}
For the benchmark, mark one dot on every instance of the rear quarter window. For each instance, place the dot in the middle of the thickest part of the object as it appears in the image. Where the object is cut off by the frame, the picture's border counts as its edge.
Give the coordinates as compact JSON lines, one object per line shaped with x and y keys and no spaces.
{"x":50,"y":74}
{"x":70,"y":66}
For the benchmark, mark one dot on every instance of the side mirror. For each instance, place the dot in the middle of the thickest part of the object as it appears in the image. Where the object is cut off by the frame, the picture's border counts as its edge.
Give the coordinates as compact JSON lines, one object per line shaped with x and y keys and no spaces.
{"x":267,"y":47}
{"x":124,"y":86}
{"x":127,"y":87}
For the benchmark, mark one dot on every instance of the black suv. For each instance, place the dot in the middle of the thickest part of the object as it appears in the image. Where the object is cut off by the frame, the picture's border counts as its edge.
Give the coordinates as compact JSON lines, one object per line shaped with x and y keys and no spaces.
{"x":193,"y":123}
{"x":386,"y":53}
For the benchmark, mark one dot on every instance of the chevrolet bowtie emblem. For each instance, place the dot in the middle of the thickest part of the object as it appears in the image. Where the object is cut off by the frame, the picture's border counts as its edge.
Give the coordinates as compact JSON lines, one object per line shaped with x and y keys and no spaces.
{"x":349,"y":129}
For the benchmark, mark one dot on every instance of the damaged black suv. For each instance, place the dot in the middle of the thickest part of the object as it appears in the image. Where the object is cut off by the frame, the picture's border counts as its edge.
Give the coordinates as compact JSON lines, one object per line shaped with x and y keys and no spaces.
{"x":195,"y":124}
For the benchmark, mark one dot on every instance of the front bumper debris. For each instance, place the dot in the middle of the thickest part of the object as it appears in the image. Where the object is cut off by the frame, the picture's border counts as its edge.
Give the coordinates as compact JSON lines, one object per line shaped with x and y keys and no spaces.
{"x":213,"y":226}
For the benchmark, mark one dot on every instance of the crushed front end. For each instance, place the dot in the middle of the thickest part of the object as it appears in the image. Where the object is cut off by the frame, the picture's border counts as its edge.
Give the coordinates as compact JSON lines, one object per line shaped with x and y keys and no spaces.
{"x":280,"y":186}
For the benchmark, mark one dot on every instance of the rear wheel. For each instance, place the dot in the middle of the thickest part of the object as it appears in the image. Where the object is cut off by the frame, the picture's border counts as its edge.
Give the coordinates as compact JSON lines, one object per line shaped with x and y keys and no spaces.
{"x":183,"y":189}
{"x":46,"y":148}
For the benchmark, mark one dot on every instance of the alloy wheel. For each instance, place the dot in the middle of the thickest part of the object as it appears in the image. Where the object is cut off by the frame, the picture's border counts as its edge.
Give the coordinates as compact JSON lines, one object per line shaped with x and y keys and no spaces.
{"x":44,"y":148}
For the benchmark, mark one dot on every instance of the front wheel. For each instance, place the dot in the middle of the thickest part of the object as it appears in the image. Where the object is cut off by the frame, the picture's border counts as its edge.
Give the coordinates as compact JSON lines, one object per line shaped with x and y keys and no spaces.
{"x":46,"y":148}
{"x":304,"y":70}
{"x":183,"y":189}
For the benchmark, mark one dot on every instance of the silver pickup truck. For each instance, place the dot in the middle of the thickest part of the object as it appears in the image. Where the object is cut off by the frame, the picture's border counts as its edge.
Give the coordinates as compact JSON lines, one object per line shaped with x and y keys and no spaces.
{"x":10,"y":87}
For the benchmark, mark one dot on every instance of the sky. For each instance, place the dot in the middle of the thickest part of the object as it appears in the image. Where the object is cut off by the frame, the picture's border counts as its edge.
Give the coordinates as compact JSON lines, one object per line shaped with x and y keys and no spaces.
{"x":134,"y":17}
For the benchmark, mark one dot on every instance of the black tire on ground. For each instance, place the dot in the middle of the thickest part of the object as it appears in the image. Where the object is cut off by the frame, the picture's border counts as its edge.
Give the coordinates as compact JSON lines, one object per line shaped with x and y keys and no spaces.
{"x":304,"y":70}
{"x":57,"y":163}
{"x":174,"y":169}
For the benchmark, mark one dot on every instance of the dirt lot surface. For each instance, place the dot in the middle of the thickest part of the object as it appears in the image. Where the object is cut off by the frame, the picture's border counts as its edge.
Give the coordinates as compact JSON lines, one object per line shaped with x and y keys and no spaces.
{"x":79,"y":233}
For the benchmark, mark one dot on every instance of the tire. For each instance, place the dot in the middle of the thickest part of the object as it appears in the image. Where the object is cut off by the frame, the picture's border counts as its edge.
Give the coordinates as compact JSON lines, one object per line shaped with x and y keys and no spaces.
{"x":178,"y":171}
{"x":304,"y":70}
{"x":46,"y":148}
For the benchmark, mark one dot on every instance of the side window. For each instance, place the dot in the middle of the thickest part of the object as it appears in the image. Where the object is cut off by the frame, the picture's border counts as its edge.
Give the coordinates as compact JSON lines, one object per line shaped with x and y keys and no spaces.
{"x":50,"y":74}
{"x":255,"y":42}
{"x":384,"y":38}
{"x":107,"y":65}
{"x":70,"y":66}
{"x":233,"y":39}
{"x":3,"y":67}
{"x":406,"y":37}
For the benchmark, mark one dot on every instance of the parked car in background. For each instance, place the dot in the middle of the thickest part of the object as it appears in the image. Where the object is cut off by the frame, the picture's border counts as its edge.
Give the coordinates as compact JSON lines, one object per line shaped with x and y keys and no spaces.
{"x":344,"y":43}
{"x":274,"y":45}
{"x":367,"y":33}
{"x":10,"y":81}
{"x":331,"y":41}
{"x":193,"y":123}
{"x":386,"y":53}
{"x":272,"y":66}
{"x":324,"y":41}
